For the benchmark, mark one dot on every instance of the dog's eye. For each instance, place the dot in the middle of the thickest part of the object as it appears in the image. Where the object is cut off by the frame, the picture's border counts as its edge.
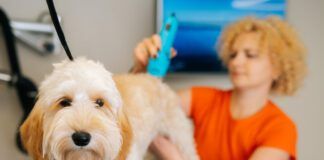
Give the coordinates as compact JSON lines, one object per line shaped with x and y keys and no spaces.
{"x":100,"y":102}
{"x":65,"y":102}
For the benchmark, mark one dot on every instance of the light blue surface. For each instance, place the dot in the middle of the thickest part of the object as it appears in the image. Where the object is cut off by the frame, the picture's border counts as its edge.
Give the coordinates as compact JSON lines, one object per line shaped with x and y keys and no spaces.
{"x":201,"y":22}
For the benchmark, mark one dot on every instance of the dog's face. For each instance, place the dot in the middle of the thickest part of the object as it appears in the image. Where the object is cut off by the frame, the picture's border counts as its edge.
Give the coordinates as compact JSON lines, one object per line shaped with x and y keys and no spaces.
{"x":78,"y":115}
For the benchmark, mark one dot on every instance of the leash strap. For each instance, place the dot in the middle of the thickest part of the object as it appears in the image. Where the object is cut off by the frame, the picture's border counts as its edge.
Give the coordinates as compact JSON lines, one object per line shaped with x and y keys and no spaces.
{"x":58,"y":28}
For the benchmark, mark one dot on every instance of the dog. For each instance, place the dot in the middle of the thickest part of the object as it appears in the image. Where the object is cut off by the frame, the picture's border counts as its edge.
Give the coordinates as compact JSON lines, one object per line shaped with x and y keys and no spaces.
{"x":84,"y":112}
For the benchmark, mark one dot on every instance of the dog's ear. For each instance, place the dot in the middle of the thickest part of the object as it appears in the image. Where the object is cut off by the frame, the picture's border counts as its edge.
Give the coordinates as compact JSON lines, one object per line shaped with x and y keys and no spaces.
{"x":127,"y":135}
{"x":31,"y":132}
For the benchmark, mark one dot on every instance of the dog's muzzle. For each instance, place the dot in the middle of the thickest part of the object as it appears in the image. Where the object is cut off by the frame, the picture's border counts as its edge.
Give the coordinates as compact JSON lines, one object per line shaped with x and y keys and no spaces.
{"x":81,"y":138}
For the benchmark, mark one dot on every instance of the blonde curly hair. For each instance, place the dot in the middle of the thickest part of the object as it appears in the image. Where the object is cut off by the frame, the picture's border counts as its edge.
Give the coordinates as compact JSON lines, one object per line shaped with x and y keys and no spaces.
{"x":287,"y":52}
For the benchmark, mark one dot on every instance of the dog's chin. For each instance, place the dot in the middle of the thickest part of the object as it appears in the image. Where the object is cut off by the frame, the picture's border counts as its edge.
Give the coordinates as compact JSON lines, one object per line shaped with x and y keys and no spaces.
{"x":68,"y":151}
{"x":83,"y":154}
{"x":64,"y":149}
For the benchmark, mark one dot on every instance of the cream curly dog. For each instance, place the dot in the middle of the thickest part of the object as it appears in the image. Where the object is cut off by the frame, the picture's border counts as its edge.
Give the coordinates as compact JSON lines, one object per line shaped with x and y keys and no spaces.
{"x":83,"y":112}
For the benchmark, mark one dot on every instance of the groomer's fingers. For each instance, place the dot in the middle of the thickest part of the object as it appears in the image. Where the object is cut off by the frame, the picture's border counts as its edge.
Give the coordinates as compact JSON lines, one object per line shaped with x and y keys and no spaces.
{"x":151,"y":48}
{"x":141,"y":54}
{"x":173,"y":52}
{"x":157,"y":40}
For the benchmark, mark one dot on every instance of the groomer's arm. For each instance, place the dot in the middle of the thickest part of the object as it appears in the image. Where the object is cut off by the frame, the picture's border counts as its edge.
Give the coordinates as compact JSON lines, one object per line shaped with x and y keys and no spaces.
{"x":269,"y":153}
{"x":185,"y":99}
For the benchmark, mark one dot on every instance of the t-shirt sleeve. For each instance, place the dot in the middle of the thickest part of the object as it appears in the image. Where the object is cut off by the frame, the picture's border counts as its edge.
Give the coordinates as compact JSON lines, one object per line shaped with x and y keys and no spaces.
{"x":202,"y":99}
{"x":281,"y":134}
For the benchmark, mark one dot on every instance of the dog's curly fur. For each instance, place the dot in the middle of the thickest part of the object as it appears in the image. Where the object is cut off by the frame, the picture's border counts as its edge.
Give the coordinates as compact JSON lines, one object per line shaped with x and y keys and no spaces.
{"x":135,"y":109}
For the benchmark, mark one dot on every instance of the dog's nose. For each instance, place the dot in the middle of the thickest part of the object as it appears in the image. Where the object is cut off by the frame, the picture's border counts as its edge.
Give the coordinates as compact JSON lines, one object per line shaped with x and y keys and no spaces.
{"x":81,"y":138}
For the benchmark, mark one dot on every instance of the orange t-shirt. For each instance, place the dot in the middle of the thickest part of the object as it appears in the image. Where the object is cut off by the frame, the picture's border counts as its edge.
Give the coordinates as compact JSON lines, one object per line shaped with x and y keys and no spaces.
{"x":220,"y":137}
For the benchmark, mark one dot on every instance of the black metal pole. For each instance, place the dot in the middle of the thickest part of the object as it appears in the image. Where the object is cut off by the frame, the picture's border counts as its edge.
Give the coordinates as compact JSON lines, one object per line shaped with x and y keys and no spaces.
{"x":26,"y":89}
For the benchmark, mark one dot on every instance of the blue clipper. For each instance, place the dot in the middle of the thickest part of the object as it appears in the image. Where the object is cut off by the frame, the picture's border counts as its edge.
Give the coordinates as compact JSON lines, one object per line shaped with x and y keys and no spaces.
{"x":158,"y":67}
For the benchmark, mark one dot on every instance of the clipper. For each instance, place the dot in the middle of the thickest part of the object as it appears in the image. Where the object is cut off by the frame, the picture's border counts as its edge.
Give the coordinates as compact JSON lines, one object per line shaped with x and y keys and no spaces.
{"x":158,"y":67}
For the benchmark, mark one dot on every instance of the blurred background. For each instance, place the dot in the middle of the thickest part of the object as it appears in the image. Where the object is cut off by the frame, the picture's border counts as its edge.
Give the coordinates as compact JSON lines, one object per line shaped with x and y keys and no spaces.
{"x":108,"y":30}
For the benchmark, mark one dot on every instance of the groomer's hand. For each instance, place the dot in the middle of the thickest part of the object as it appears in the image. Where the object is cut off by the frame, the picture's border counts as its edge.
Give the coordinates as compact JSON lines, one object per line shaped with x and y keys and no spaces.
{"x":148,"y":48}
{"x":164,"y":149}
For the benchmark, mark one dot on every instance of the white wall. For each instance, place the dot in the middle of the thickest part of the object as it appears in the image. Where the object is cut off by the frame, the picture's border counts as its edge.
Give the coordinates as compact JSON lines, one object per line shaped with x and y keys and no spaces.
{"x":108,"y":30}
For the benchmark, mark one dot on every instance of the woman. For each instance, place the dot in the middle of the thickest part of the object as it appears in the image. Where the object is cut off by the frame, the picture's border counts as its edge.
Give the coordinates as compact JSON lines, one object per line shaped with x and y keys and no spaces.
{"x":263,"y":57}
